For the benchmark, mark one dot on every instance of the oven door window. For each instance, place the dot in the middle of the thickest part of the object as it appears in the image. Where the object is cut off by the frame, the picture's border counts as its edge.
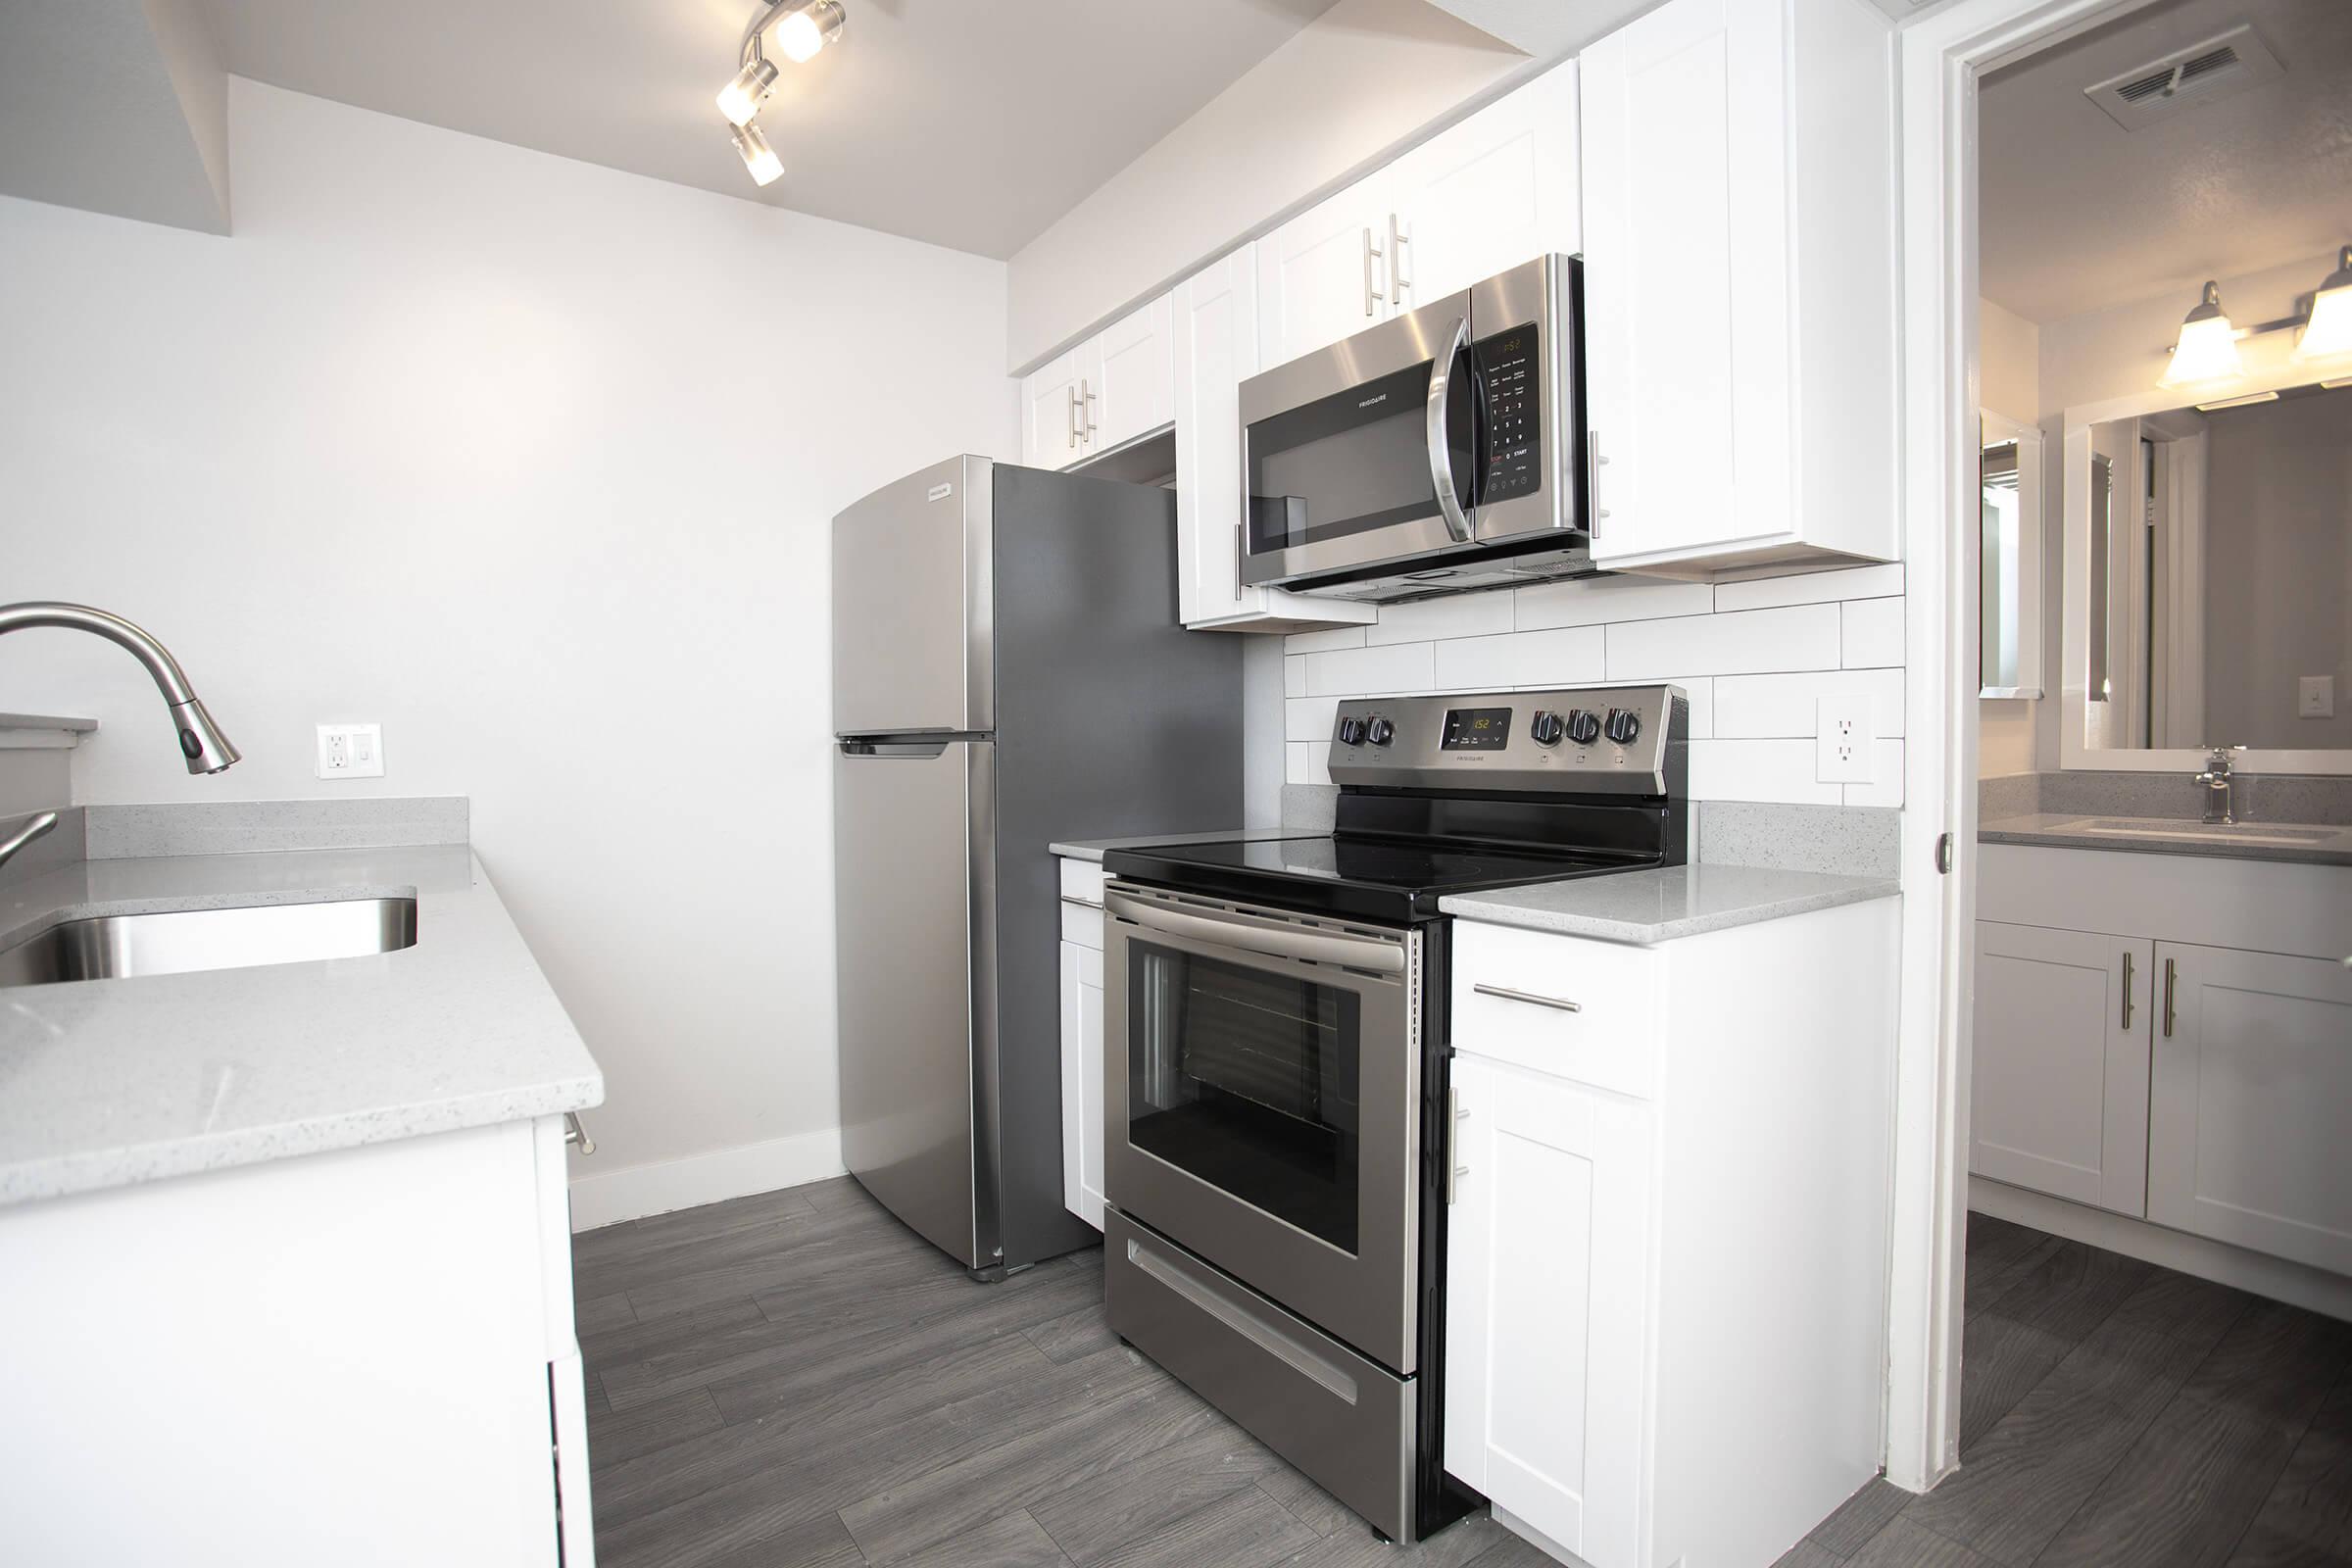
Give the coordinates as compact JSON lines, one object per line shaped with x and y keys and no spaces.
{"x":1356,"y":460}
{"x":1250,"y":1081}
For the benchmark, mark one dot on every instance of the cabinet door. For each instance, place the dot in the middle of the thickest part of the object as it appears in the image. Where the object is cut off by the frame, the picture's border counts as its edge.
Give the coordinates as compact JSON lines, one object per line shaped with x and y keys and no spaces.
{"x":2247,"y":1133}
{"x":1215,"y":327}
{"x":2059,"y":1074}
{"x":1497,"y":189}
{"x":1082,"y":1082}
{"x":1054,"y":412}
{"x":1547,"y":1270}
{"x":1324,"y":274}
{"x":1134,"y":387}
{"x":1685,"y":277}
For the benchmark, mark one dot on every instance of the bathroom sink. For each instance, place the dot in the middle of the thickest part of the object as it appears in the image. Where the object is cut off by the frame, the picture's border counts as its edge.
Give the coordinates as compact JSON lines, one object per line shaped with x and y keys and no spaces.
{"x":174,"y":942}
{"x":2210,"y":832}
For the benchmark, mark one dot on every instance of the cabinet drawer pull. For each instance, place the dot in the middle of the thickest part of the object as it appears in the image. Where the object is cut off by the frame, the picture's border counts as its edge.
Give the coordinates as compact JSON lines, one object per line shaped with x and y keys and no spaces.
{"x":2172,"y":976}
{"x":1087,"y":399}
{"x":2126,"y":988}
{"x":1069,"y":419}
{"x":1556,"y":1003}
{"x":1371,"y":253}
{"x":575,"y":1133}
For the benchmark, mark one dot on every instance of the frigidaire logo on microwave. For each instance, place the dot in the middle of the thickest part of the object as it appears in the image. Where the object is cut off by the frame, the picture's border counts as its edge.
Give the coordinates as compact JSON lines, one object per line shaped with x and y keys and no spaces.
{"x":1368,"y":402}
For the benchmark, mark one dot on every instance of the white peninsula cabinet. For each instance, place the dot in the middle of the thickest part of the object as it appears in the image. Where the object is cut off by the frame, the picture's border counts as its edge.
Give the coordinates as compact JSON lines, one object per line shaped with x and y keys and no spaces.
{"x":2169,"y":1037}
{"x":1667,"y":1241}
{"x":1740,"y":302}
{"x":1082,"y":1060}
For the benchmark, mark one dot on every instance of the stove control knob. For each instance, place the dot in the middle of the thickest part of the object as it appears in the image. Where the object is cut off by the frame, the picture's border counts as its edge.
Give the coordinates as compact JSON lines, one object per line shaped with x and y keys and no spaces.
{"x":1380,"y":732}
{"x":1545,"y":729}
{"x":1584,"y":728}
{"x":1625,"y":725}
{"x":1351,"y":732}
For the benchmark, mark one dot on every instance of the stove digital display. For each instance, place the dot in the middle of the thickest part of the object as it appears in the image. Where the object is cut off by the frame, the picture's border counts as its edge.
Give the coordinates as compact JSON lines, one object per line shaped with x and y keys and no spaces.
{"x":1476,"y":729}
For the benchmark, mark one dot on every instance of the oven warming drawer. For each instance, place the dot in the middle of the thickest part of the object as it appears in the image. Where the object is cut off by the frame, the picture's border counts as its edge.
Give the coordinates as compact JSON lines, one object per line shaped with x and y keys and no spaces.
{"x":1348,"y":1421}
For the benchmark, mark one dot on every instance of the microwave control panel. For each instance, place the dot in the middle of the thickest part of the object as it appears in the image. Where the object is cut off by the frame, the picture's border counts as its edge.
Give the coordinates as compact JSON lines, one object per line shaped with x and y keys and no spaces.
{"x":1510,"y":368}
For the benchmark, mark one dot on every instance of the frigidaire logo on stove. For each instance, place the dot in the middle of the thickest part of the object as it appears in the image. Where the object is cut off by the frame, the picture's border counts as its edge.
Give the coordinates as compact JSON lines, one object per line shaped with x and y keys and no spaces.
{"x":1368,"y":402}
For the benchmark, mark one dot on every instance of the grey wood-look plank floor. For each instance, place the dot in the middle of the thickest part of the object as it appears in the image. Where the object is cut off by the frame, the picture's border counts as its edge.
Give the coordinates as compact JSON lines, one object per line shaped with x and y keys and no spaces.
{"x":2114,"y":1414}
{"x":797,"y":1381}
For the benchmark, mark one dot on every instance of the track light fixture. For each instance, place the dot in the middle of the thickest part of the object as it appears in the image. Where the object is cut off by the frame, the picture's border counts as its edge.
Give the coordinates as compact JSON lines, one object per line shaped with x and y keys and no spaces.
{"x":798,"y":29}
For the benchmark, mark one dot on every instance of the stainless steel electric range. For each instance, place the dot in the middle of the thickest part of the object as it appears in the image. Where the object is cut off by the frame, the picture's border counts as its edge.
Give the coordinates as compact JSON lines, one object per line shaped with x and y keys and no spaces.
{"x":1275,"y":1140}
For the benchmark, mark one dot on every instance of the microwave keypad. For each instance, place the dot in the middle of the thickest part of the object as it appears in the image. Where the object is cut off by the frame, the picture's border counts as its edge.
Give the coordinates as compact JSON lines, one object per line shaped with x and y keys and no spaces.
{"x":1511,"y":370}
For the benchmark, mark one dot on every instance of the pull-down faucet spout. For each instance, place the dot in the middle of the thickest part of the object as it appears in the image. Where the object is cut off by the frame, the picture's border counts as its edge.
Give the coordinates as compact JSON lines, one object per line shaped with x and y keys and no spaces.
{"x":201,"y":742}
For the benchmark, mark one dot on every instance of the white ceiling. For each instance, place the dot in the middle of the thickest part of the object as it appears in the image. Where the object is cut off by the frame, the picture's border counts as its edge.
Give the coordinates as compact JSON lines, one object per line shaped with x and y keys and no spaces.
{"x":2078,"y":214}
{"x":972,"y":124}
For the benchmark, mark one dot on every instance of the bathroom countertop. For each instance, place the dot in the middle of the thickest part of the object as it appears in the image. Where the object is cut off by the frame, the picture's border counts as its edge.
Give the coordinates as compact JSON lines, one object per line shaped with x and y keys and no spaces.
{"x":1092,"y":848}
{"x":1647,"y":908}
{"x":107,"y":1083}
{"x":2318,"y":844}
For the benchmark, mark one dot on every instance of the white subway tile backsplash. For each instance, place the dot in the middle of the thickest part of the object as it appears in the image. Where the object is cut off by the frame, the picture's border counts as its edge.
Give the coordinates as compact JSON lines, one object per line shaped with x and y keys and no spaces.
{"x":1346,"y":671}
{"x":1873,"y":632}
{"x":1812,"y":588}
{"x":1798,"y":637}
{"x":1318,"y":642}
{"x":1460,"y":615}
{"x":1309,"y":718}
{"x":1768,"y":707}
{"x":1758,"y":770}
{"x":1597,"y":601}
{"x":1885,"y":788}
{"x":1306,"y":762}
{"x":1293,"y":676}
{"x":1566,"y":657}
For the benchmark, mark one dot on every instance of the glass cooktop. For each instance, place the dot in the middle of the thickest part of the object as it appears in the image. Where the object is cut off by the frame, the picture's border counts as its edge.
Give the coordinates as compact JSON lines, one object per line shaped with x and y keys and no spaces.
{"x":1378,"y":878}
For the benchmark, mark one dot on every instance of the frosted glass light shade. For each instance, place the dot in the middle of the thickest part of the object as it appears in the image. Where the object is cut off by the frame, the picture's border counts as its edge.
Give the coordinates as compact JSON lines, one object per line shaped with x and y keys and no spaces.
{"x":803,"y":32}
{"x":2329,"y":332}
{"x":758,"y":155}
{"x":2207,"y":348}
{"x":739,"y":100}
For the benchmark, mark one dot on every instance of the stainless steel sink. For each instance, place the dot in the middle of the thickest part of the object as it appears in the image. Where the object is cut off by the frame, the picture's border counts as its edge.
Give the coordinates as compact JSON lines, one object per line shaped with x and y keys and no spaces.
{"x":113,"y":945}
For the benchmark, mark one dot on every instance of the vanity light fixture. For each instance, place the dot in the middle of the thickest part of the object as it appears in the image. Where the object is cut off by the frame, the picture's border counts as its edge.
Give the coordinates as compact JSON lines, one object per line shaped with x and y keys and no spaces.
{"x":2327,"y":333}
{"x":758,"y":155}
{"x":800,"y":29}
{"x":2207,"y":348}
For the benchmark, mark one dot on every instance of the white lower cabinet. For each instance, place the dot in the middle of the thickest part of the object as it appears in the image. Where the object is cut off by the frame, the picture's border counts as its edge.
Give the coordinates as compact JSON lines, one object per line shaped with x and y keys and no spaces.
{"x":1082,"y":1047}
{"x":1666,"y":1238}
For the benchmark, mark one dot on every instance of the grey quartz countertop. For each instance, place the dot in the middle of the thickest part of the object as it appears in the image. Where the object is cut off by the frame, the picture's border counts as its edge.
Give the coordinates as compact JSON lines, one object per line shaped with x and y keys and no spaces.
{"x":2305,"y":842}
{"x":1092,"y":848}
{"x":1647,"y":908}
{"x":106,"y":1083}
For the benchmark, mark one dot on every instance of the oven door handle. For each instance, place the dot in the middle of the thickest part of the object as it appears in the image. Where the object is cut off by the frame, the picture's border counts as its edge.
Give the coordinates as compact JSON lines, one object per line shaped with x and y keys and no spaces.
{"x":1440,"y":459}
{"x":1314,"y":947}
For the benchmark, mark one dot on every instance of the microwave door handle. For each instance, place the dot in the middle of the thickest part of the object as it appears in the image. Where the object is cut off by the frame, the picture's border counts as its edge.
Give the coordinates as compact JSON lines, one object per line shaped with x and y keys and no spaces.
{"x":1314,"y":947}
{"x":1441,"y":460}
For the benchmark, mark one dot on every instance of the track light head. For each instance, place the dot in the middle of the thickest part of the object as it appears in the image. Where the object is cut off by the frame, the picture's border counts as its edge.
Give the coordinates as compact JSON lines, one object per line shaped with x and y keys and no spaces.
{"x":739,"y":100}
{"x":807,"y":29}
{"x":758,"y":155}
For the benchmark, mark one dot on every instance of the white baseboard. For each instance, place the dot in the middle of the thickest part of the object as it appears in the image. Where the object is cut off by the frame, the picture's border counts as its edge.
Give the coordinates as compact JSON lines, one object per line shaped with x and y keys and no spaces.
{"x":2279,"y":1278}
{"x":609,"y":1197}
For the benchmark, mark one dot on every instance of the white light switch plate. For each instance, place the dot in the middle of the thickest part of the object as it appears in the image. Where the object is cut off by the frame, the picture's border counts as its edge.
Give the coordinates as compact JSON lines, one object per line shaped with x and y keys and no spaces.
{"x":351,"y":751}
{"x":2315,"y":696}
{"x":1846,"y":739}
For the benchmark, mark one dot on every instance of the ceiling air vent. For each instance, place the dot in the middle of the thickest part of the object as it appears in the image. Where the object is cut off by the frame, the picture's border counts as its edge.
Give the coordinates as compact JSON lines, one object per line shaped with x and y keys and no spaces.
{"x":2204,"y":72}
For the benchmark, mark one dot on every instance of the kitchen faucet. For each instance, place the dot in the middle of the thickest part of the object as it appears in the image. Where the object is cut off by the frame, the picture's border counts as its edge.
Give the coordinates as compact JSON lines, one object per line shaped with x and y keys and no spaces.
{"x":201,"y":742}
{"x":2221,"y":794}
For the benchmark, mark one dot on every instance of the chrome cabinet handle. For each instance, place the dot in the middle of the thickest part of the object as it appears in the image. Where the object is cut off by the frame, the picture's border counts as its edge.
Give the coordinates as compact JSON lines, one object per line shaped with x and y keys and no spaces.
{"x":1454,"y":1121}
{"x":1398,"y":240}
{"x":1371,"y":254}
{"x":1086,"y":405}
{"x":2126,"y":988}
{"x":575,"y":1133}
{"x":1070,"y":418}
{"x":1594,"y":463}
{"x":1441,"y":460}
{"x":1556,"y":1003}
{"x":2172,"y":976}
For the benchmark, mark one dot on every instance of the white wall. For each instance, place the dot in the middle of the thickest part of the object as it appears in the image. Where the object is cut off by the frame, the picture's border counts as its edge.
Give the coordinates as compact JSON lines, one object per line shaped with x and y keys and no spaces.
{"x":1753,"y":655}
{"x":533,"y":462}
{"x":1344,"y":94}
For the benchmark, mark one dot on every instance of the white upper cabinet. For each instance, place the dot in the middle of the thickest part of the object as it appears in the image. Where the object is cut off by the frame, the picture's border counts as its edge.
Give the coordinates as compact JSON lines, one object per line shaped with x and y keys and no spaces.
{"x":1055,"y":408}
{"x":1739,"y":241}
{"x":1214,"y":333}
{"x":1134,"y":391}
{"x":1494,"y":191}
{"x":1325,"y":273}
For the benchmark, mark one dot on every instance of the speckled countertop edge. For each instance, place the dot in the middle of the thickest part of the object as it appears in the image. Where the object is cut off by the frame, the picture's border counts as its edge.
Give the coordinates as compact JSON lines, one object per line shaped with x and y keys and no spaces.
{"x":1093,"y":848}
{"x":106,"y":1084}
{"x":1647,"y":908}
{"x":2049,"y":830}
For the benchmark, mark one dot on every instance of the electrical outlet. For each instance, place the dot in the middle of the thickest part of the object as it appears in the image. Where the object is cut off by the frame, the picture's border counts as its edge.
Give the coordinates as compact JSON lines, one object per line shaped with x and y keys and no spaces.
{"x":1846,"y":739}
{"x":351,"y":751}
{"x":2315,"y":697}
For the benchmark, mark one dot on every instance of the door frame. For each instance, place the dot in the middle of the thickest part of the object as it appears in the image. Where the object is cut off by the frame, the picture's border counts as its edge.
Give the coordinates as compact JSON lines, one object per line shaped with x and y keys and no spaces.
{"x":1939,"y":58}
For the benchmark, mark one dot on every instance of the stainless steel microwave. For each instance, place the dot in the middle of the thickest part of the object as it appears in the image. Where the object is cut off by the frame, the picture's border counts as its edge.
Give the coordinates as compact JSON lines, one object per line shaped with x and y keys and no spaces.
{"x":1441,"y":450}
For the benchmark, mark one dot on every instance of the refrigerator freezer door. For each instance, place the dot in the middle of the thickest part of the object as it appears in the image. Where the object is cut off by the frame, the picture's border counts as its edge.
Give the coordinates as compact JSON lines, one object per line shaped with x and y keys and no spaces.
{"x":915,"y":896}
{"x":911,"y":592}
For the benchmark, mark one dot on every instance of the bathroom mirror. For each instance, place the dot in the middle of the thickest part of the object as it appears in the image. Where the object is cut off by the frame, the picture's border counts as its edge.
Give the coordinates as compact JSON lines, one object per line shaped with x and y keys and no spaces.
{"x":2208,"y":583}
{"x":2009,"y":473}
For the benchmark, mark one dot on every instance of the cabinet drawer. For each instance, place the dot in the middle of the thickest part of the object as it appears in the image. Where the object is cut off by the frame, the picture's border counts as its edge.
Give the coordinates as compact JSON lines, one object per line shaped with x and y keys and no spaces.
{"x":1081,"y":924}
{"x":1082,"y":881}
{"x":1575,"y":1009}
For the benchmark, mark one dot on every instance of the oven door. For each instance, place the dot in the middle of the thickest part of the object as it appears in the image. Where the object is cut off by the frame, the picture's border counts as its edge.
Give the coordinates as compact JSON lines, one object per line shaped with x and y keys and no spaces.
{"x":1262,"y":1102}
{"x":1363,"y":452}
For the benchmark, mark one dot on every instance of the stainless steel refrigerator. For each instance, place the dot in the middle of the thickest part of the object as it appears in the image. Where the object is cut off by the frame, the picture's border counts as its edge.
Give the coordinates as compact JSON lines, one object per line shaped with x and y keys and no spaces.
{"x":1008,"y":670}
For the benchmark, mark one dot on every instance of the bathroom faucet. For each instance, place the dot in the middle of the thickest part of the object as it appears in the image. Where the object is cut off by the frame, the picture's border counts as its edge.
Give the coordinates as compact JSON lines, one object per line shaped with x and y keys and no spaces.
{"x":201,"y":742}
{"x":2221,"y":792}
